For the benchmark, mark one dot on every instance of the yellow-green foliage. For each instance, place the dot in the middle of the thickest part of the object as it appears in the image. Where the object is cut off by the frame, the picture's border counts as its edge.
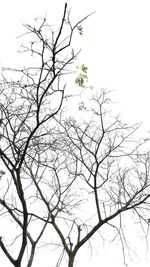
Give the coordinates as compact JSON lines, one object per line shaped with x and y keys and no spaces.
{"x":82,"y":77}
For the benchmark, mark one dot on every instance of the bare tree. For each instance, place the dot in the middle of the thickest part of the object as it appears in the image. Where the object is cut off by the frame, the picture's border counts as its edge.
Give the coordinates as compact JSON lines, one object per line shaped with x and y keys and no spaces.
{"x":29,"y":101}
{"x":58,"y":174}
{"x":98,"y":173}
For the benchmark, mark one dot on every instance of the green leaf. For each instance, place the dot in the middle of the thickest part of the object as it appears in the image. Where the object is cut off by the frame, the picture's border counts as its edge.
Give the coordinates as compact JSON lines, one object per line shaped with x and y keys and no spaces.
{"x":84,"y":68}
{"x":80,"y":29}
{"x":82,"y":77}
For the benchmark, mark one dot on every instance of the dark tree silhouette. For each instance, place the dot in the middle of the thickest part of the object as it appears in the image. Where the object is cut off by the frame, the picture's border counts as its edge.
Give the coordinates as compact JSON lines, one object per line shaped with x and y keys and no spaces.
{"x":58,"y":174}
{"x":29,"y":101}
{"x":101,"y":173}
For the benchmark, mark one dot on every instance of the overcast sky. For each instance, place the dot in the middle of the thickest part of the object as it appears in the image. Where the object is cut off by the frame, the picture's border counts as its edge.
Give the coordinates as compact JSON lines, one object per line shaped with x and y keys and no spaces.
{"x":116,"y":48}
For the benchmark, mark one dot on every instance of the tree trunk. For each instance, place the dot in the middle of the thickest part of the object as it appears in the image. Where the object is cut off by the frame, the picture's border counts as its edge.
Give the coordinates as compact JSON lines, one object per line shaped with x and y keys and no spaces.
{"x":71,"y":261}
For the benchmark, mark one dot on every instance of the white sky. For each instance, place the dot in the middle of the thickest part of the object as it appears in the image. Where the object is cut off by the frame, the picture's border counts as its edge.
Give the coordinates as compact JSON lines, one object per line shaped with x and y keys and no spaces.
{"x":116,"y":48}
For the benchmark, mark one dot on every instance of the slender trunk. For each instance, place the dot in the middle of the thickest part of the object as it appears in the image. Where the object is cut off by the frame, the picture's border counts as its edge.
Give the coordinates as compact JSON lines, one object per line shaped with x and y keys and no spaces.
{"x":31,"y":256}
{"x":17,"y":264}
{"x":71,"y":261}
